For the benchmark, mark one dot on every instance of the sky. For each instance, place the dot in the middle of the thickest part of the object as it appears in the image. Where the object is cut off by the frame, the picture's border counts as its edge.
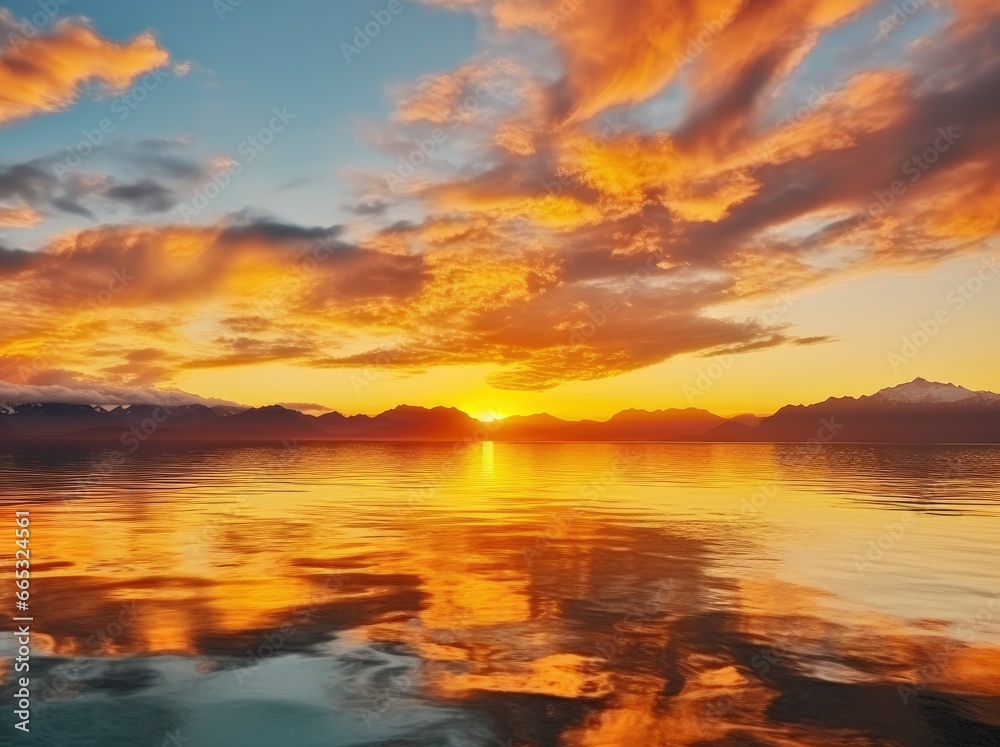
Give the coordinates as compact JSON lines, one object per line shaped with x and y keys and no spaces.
{"x":506,"y":206}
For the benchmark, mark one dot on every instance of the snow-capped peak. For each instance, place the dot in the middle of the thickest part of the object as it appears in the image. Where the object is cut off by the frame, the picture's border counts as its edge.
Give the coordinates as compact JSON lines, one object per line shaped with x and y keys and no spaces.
{"x":923,"y":391}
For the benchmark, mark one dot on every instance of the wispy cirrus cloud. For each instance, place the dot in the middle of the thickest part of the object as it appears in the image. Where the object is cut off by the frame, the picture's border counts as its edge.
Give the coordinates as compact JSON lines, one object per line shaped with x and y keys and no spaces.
{"x":18,"y":216}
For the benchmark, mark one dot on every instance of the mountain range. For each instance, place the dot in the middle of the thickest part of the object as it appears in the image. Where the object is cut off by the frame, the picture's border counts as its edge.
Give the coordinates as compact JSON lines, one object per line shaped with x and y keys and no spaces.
{"x":919,"y":411}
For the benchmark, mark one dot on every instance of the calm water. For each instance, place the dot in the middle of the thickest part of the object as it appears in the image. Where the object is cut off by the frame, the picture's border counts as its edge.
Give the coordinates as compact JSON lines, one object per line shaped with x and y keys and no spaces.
{"x":509,"y":594}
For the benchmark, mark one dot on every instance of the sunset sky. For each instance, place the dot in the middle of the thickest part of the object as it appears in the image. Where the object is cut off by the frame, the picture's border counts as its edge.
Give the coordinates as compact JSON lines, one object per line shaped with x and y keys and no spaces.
{"x":506,"y":206}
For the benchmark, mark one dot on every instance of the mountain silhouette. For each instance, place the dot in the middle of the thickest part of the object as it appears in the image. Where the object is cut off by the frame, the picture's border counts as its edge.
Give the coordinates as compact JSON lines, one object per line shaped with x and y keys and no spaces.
{"x":919,"y":411}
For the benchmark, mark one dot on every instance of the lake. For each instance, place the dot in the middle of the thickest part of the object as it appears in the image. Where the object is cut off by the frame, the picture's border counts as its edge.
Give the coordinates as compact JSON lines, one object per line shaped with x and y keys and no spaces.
{"x":508,"y":594}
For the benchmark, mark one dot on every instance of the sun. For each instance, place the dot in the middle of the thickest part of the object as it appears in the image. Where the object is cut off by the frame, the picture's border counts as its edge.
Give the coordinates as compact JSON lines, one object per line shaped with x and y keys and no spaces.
{"x":487,"y":416}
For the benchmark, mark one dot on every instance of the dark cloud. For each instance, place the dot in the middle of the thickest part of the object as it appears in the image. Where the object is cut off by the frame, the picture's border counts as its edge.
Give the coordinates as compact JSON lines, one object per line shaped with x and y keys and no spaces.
{"x":296,"y":183}
{"x":247,"y":324}
{"x":160,"y":157}
{"x":259,"y":352}
{"x":15,"y":260}
{"x":146,"y":196}
{"x":372,"y":207}
{"x":145,"y":354}
{"x":279,"y":233}
{"x":815,"y":340}
{"x":305,"y":406}
{"x":142,"y":177}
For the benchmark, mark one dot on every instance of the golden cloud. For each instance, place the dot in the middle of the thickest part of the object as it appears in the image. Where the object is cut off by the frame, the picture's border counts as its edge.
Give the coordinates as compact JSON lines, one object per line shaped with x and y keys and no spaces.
{"x":45,"y":73}
{"x":21,"y":216}
{"x":561,"y":249}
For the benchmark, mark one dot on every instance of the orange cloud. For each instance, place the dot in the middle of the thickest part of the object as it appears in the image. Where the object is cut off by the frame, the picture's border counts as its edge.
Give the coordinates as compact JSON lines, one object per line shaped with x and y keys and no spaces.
{"x":749,"y":191}
{"x":623,"y":53}
{"x":617,"y":53}
{"x":21,"y":216}
{"x":45,"y":73}
{"x":552,"y":246}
